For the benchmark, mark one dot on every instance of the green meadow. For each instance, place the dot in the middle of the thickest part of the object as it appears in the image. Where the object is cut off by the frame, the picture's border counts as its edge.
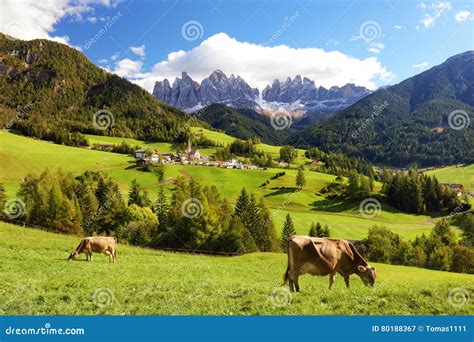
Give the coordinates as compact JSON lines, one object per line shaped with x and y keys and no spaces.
{"x":37,"y":279}
{"x":20,"y":155}
{"x":456,"y":174}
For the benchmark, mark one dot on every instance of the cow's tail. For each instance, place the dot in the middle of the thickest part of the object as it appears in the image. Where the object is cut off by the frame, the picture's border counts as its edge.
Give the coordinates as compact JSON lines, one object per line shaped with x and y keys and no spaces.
{"x":116,"y":245}
{"x":286,"y":275}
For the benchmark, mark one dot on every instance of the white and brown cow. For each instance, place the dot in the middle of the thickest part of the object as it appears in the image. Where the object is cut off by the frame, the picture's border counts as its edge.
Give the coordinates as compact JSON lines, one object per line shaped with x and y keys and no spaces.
{"x":96,"y":244}
{"x":323,"y":256}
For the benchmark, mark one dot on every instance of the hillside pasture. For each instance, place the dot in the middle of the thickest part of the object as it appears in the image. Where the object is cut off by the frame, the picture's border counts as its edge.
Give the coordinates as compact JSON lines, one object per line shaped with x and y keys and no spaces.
{"x":36,"y":279}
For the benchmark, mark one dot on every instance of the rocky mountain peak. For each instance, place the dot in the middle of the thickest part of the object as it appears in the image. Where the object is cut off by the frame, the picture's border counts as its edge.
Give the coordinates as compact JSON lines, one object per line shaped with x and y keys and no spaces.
{"x":187,"y":94}
{"x":216,"y":88}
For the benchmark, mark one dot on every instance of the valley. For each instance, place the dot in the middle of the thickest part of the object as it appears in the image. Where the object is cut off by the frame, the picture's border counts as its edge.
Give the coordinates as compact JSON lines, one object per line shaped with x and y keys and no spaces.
{"x":281,"y":195}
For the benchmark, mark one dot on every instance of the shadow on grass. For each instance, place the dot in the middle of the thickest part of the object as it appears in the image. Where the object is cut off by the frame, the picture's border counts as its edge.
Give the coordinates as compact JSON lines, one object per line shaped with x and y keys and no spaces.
{"x":281,"y":191}
{"x":132,"y":166}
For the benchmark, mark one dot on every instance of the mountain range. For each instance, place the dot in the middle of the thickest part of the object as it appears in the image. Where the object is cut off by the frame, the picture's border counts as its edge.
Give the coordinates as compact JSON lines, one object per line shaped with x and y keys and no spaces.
{"x":300,"y":96}
{"x":423,"y":120}
{"x":50,"y":90}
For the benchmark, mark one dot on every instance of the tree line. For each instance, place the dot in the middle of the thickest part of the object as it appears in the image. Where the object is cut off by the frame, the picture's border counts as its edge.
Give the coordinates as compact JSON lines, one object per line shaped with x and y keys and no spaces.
{"x":193,"y":217}
{"x":440,"y":250}
{"x":419,"y":193}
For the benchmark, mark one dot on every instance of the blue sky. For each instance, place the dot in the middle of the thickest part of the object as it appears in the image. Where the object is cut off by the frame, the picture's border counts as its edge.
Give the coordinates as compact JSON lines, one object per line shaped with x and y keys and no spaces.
{"x":377,"y":42}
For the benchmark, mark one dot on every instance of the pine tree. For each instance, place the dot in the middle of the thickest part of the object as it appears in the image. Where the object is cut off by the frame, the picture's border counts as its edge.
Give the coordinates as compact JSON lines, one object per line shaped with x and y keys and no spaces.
{"x":287,"y":231}
{"x":325,"y":231}
{"x":267,"y":229}
{"x":134,"y":194}
{"x":312,"y":231}
{"x":242,"y":203}
{"x":300,"y":179}
{"x":353,"y":186}
{"x":88,"y":205}
{"x":161,"y":208}
{"x":101,"y":192}
{"x":146,"y":199}
{"x":319,"y":230}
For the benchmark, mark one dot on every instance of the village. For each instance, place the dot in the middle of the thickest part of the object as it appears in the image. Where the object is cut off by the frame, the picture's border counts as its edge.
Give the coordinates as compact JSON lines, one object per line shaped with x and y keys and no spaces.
{"x":189,"y":157}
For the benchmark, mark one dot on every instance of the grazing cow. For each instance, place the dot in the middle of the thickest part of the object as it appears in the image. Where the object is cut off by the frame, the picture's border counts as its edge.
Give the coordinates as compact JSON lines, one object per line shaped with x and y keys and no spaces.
{"x":322,"y":256}
{"x":97,"y":244}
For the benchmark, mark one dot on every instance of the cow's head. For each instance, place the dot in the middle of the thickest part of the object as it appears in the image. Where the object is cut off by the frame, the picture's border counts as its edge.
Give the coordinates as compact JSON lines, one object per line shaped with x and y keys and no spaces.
{"x":73,"y":255}
{"x":367,"y":274}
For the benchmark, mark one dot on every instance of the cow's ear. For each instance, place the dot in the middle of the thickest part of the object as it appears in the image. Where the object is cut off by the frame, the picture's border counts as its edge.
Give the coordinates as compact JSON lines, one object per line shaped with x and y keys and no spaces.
{"x":361,"y":268}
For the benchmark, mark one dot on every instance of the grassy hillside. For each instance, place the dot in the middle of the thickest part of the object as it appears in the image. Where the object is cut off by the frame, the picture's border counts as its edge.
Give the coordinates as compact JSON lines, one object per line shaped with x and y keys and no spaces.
{"x":61,"y":90}
{"x":20,"y":155}
{"x":100,"y":139}
{"x":454,"y":174}
{"x":224,"y":139}
{"x":37,"y":279}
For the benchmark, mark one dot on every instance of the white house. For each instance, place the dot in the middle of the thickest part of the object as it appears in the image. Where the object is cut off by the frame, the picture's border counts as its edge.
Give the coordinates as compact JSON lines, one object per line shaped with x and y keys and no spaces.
{"x":140,"y":153}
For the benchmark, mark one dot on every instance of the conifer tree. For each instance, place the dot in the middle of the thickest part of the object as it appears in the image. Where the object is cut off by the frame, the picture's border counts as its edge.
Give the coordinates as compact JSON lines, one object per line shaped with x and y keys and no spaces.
{"x":134,"y":195}
{"x":300,"y":179}
{"x":287,"y":231}
{"x":161,"y":207}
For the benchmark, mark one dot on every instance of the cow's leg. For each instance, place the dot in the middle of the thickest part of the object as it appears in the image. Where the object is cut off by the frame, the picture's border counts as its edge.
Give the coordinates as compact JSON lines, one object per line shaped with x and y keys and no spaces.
{"x":346,"y":280}
{"x":332,"y":278}
{"x":291,"y":280}
{"x":297,"y":285}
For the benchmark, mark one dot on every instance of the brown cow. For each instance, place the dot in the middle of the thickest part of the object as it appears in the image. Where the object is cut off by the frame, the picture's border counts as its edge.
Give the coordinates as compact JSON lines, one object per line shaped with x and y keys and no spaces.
{"x":97,"y":244}
{"x":322,"y":256}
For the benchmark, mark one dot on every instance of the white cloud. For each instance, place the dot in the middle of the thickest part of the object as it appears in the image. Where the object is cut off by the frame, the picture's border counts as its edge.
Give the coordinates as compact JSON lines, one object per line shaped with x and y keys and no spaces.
{"x":259,"y":65}
{"x":92,"y":20}
{"x":432,"y":12}
{"x":463,"y":16}
{"x":129,"y":68}
{"x":421,"y":65}
{"x":397,"y":27}
{"x":138,"y":50}
{"x":32,"y":19}
{"x":376,"y":47}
